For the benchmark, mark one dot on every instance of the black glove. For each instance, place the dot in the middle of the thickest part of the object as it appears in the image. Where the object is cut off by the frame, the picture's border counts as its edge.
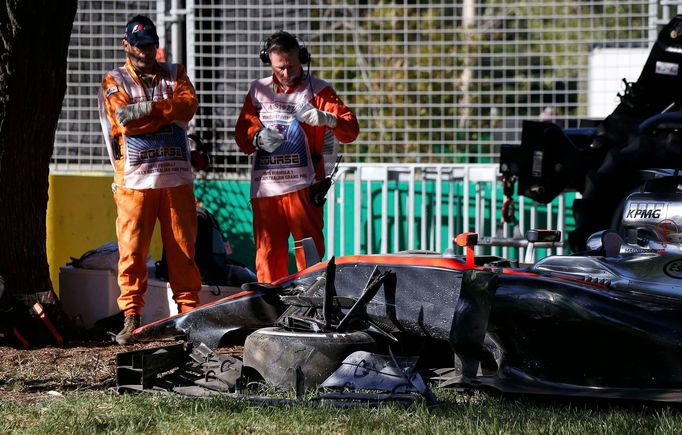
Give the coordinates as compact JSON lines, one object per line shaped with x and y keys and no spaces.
{"x":318,"y":192}
{"x":199,"y":153}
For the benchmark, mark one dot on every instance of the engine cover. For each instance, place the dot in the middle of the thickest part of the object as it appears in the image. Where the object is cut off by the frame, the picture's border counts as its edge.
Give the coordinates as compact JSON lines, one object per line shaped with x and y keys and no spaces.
{"x":656,"y":217}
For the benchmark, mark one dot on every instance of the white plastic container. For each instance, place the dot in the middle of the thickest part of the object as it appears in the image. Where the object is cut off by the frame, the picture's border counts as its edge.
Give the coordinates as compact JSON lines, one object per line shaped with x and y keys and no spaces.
{"x":157,"y":305}
{"x":88,"y":294}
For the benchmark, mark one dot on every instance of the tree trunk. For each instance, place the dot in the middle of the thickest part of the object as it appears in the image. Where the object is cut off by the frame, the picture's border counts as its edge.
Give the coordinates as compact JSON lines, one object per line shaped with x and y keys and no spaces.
{"x":33,"y":49}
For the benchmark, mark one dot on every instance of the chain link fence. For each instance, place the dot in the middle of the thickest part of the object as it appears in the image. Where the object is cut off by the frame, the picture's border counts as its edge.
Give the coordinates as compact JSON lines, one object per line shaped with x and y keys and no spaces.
{"x":430,"y":81}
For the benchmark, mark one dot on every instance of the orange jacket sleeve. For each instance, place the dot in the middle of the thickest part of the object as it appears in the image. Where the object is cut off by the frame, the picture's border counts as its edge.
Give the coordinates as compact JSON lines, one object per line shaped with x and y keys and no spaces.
{"x":346,"y":130}
{"x":347,"y":127}
{"x":180,"y":107}
{"x":247,"y":126}
{"x":114,"y":97}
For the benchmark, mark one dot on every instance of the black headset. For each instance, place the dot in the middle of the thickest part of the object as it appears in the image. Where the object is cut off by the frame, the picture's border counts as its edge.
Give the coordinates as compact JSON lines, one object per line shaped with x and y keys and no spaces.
{"x":282,"y":38}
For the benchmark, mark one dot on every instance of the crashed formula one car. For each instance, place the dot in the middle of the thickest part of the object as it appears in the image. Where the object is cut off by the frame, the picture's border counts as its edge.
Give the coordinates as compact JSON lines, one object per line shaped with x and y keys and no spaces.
{"x":604,"y":324}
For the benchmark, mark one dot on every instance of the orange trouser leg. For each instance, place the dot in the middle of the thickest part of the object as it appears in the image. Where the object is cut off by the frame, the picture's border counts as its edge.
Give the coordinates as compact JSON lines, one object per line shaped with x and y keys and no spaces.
{"x":271,"y":235}
{"x":178,"y":219}
{"x":136,"y":216}
{"x":305,"y":220}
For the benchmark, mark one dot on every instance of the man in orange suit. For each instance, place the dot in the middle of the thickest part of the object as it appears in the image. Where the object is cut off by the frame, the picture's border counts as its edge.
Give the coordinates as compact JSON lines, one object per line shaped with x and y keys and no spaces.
{"x":144,"y":109}
{"x":288,"y":119}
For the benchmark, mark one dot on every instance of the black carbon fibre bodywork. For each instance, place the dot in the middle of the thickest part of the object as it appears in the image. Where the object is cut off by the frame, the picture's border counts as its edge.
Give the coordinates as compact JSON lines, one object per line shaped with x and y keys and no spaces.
{"x":221,"y":322}
{"x":562,"y":335}
{"x":420,"y":302}
{"x":566,"y":332}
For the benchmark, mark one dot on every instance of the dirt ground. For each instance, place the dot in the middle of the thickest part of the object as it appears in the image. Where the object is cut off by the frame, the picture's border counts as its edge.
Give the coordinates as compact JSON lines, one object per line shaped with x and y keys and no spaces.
{"x":32,"y":375}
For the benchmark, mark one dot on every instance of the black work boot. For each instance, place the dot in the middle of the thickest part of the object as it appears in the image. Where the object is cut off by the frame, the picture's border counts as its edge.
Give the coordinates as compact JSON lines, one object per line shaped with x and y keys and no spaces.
{"x":132,"y":322}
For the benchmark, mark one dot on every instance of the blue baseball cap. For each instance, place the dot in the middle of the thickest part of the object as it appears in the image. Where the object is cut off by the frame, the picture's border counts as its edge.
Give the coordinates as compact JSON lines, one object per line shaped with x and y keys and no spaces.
{"x":141,"y":30}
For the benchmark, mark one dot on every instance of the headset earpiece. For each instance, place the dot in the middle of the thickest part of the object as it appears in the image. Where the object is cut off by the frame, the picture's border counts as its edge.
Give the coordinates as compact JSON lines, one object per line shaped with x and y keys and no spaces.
{"x":304,"y":55}
{"x":264,"y":56}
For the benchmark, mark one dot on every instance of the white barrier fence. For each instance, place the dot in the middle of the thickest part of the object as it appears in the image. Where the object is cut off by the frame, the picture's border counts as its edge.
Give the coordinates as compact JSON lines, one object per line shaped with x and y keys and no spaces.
{"x":385,"y":208}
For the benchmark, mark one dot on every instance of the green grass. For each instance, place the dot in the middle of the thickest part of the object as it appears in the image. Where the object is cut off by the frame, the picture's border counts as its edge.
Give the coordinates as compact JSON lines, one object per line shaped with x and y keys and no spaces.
{"x":459,"y":412}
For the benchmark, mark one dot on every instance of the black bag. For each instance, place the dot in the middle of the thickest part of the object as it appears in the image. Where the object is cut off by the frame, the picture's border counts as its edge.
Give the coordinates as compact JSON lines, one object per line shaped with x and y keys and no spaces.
{"x":31,"y":320}
{"x":210,"y":256}
{"x":210,"y":253}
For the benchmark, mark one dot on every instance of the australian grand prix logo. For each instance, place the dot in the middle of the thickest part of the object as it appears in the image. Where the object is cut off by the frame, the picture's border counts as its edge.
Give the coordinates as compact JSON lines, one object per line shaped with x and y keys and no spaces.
{"x":292,"y":153}
{"x":673,"y":269}
{"x":168,"y":143}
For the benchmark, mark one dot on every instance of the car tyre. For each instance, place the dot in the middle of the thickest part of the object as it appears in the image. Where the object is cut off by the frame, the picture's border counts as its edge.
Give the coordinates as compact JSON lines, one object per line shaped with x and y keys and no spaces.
{"x":275,"y":353}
